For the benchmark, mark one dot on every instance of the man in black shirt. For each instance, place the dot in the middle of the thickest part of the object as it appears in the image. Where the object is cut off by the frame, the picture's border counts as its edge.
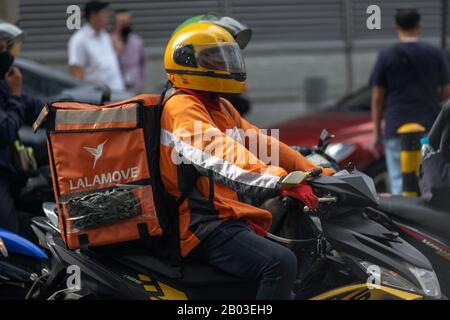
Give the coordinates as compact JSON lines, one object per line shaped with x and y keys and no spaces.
{"x":408,"y":82}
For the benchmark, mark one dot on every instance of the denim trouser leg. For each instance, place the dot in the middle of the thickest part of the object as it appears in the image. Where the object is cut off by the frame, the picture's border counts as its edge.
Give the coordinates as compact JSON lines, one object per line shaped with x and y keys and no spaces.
{"x":236,"y":249}
{"x":392,"y":152}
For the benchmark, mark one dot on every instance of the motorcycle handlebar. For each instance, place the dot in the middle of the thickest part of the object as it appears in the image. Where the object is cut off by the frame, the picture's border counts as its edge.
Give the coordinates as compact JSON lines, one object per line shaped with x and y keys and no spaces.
{"x":315,"y":172}
{"x":289,"y":201}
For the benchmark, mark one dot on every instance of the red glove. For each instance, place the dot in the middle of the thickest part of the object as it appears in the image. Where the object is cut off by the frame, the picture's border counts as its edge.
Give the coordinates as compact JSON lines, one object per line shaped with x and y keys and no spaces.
{"x":302,"y":192}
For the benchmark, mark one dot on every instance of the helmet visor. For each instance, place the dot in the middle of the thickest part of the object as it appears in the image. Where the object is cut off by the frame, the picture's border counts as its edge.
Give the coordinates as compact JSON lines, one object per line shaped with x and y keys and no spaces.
{"x":220,"y":56}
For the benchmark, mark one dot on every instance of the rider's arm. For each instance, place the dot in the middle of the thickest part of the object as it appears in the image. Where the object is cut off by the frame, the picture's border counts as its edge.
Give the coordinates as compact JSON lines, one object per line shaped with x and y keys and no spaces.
{"x":188,"y":128}
{"x":77,"y":72}
{"x":278,"y":152}
{"x":377,"y":108}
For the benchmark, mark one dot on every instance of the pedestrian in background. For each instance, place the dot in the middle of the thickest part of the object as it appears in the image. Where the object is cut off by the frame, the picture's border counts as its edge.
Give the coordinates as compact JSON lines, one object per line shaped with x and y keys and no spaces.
{"x":130,"y":50}
{"x":91,"y":53}
{"x":409,"y":80}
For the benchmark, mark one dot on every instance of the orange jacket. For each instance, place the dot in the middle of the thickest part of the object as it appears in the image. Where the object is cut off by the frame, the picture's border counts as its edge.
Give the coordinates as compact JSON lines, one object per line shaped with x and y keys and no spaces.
{"x":237,"y":172}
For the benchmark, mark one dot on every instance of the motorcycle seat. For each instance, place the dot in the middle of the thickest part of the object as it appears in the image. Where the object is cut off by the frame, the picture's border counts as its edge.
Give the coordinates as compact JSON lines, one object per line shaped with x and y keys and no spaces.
{"x":190,"y":272}
{"x":135,"y":257}
{"x":417,"y":212}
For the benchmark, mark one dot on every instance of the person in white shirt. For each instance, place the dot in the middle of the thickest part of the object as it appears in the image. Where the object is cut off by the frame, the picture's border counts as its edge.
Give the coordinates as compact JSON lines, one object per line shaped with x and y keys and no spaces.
{"x":91,"y":54}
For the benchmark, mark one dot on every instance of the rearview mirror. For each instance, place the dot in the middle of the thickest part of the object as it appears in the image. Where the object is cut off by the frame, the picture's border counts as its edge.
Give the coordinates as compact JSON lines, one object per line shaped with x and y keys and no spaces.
{"x":325,"y":139}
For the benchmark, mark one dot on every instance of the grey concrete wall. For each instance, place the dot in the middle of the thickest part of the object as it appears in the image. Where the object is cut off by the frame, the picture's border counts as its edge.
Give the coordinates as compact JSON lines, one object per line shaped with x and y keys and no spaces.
{"x":276,"y":78}
{"x":276,"y":83}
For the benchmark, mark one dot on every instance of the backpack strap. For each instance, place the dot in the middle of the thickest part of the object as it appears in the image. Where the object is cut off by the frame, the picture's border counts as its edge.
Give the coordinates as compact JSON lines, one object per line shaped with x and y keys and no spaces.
{"x":185,"y":193}
{"x":83,"y":241}
{"x":191,"y":186}
{"x":166,"y":95}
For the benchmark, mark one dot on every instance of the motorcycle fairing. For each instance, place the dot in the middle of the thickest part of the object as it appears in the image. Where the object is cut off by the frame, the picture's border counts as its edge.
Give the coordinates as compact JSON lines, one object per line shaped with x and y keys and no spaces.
{"x":422,"y":216}
{"x":426,"y":228}
{"x":440,"y":248}
{"x":356,"y":188}
{"x":354,"y":234}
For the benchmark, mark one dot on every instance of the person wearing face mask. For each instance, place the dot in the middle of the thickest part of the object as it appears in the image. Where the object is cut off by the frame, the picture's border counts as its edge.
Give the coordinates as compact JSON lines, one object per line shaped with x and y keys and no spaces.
{"x":130,"y":50}
{"x":16,"y":109}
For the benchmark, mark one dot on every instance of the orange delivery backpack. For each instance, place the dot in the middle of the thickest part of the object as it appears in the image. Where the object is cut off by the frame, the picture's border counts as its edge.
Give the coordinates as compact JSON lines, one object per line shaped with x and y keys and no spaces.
{"x":104,"y":161}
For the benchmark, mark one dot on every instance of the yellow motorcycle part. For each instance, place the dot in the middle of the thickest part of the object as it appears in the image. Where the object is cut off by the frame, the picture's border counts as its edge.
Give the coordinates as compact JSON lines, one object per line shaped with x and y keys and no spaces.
{"x":363,"y":292}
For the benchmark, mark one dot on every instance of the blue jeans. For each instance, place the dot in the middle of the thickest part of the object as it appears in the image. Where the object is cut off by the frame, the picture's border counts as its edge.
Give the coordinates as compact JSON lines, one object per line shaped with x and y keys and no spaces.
{"x":392,"y":151}
{"x":234,"y":248}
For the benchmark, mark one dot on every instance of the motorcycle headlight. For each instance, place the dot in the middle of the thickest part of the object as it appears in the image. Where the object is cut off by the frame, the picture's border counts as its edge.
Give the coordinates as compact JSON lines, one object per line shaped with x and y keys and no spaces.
{"x":340,"y":151}
{"x":428,"y":281}
{"x":383,"y":276}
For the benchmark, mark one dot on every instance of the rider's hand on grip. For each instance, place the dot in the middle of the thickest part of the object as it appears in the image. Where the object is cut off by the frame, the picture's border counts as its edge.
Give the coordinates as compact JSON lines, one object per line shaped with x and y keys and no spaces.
{"x":328,"y":171}
{"x":302,"y":192}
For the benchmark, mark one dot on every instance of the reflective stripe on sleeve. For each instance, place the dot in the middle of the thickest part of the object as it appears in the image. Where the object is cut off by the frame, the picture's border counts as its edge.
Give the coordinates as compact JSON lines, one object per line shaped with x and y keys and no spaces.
{"x":238,"y":179}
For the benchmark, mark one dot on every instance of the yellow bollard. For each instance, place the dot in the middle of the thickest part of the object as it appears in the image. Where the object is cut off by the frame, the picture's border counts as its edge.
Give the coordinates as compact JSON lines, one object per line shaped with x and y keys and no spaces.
{"x":410,"y":157}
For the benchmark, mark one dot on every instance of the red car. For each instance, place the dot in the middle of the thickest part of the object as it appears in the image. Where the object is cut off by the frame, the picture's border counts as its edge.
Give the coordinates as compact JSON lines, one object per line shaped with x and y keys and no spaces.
{"x":349,"y":120}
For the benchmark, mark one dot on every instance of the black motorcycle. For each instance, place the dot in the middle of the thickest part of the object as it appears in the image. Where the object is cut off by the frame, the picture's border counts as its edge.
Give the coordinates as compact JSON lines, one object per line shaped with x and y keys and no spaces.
{"x":424,"y":225}
{"x":345,"y":254}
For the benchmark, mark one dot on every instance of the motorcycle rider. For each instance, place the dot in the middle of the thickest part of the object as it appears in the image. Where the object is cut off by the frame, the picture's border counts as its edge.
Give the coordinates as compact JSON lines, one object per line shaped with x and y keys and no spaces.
{"x":203,"y":61}
{"x":16,"y":109}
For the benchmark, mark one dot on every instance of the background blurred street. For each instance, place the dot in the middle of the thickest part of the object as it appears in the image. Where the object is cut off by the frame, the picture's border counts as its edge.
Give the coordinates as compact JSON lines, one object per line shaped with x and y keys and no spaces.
{"x":293,"y":42}
{"x":135,"y":161}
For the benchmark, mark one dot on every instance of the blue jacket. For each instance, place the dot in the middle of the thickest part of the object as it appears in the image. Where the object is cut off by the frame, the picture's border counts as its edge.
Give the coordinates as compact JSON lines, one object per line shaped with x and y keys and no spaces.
{"x":14,"y":112}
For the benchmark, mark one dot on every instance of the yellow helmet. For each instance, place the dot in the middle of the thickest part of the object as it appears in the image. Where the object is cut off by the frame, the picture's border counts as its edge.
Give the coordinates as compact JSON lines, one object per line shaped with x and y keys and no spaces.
{"x":205,"y":57}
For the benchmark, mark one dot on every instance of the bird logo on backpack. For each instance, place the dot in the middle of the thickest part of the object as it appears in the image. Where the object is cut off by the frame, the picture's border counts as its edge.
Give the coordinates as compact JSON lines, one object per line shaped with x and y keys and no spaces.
{"x":96,"y":152}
